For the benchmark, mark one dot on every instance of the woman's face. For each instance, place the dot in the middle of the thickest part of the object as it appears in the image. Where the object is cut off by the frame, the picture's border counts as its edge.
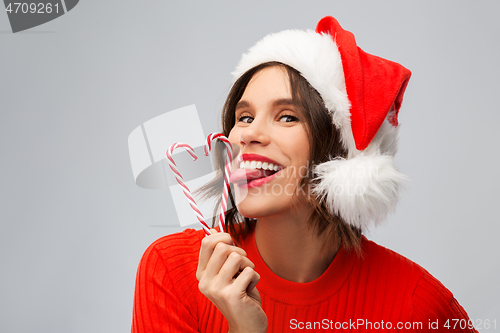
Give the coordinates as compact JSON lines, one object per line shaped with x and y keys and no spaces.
{"x":271,"y":134}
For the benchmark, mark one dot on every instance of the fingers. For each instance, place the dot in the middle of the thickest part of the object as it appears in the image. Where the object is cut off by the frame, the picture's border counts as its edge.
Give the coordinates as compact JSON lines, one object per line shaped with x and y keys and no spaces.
{"x":235,"y":278}
{"x":228,"y":279}
{"x":208,"y":244}
{"x":230,"y":267}
{"x":247,"y":280}
{"x":220,"y":243}
{"x":230,"y":257}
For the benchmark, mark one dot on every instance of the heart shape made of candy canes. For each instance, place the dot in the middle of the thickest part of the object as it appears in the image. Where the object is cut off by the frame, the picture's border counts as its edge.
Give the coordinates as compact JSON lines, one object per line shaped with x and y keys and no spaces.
{"x":187,"y":192}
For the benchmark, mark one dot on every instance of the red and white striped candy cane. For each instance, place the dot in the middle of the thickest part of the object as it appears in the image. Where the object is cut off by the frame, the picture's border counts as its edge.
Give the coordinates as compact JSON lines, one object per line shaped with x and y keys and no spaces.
{"x":229,"y":157}
{"x":180,"y":180}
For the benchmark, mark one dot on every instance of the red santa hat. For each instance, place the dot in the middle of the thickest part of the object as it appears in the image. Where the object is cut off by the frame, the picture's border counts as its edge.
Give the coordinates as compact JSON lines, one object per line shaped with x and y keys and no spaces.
{"x":363,"y":93}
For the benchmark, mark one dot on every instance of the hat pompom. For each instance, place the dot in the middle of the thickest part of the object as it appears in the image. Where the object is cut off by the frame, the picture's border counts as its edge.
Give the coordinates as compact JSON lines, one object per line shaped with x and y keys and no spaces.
{"x":361,"y":190}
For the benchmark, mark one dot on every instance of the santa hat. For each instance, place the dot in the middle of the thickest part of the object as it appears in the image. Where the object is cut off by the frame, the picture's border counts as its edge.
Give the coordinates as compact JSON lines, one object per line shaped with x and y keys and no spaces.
{"x":363,"y":93}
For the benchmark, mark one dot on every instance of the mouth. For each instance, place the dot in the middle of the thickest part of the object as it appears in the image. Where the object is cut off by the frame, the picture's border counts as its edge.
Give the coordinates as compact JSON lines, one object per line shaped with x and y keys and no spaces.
{"x":254,"y":170}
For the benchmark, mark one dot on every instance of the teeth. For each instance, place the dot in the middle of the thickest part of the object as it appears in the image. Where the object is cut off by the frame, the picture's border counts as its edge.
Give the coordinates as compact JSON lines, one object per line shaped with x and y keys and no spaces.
{"x":259,"y":165}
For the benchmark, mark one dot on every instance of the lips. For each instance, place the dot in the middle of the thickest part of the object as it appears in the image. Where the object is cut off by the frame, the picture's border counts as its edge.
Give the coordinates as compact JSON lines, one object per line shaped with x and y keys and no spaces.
{"x":254,"y":170}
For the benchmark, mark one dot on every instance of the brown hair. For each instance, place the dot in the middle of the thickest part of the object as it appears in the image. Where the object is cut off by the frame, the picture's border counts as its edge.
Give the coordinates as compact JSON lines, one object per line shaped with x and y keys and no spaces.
{"x":324,"y":142}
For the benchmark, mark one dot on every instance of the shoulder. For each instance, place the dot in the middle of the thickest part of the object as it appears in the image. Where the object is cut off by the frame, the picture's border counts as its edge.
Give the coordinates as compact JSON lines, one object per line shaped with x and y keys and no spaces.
{"x":175,"y":250}
{"x":166,"y":289}
{"x":433,"y":302}
{"x":171,"y":259}
{"x":384,"y":261}
{"x":399,"y":267}
{"x":425,"y":297}
{"x":168,"y":261}
{"x":421,"y":279}
{"x":181,"y":243}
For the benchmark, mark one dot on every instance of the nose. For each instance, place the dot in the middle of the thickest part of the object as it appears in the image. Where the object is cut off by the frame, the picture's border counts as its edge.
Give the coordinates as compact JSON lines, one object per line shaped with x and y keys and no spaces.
{"x":257,"y":133}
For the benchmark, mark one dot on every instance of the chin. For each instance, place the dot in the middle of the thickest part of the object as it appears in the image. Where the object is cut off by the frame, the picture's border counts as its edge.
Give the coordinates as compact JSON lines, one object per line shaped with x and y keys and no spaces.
{"x":259,"y":206}
{"x":252,"y":210}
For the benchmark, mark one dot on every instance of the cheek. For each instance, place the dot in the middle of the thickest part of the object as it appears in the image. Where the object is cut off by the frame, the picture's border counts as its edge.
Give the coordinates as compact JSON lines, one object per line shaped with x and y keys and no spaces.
{"x":234,"y":136}
{"x":305,"y":152}
{"x":300,"y":144}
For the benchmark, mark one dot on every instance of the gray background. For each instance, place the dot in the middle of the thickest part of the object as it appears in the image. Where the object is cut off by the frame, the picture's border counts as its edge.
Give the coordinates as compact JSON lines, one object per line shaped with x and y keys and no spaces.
{"x":73,"y":223}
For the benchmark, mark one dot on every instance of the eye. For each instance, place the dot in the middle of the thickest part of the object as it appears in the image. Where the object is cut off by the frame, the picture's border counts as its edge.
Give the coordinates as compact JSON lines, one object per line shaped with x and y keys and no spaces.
{"x":246,"y":119}
{"x":288,"y":118}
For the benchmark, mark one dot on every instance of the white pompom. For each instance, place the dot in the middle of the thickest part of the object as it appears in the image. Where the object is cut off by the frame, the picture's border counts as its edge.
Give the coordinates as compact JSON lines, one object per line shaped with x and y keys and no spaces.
{"x":362,"y":190}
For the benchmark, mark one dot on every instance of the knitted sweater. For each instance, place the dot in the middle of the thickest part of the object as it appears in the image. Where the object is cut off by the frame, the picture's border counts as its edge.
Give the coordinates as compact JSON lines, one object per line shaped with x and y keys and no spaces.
{"x":380,"y":291}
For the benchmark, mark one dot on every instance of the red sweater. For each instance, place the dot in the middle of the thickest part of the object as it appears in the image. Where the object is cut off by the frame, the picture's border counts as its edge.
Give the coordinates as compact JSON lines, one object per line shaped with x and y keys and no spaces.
{"x":380,"y":291}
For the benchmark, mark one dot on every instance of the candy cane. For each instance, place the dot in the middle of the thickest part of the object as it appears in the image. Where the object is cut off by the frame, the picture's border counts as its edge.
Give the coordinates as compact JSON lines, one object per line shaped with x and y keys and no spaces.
{"x":229,"y":157}
{"x":180,"y":180}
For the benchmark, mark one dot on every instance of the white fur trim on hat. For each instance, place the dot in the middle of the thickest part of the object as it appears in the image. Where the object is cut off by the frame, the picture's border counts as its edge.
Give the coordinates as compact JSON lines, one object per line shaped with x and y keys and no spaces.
{"x":362,"y":190}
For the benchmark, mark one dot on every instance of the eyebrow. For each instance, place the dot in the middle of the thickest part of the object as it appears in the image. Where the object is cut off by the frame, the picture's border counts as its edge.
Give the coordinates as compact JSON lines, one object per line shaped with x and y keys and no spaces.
{"x":284,"y":101}
{"x":242,"y":104}
{"x":278,"y":102}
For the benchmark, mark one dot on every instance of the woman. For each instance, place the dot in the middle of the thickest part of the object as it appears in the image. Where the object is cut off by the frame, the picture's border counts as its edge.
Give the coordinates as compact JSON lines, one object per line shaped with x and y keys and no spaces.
{"x":315,"y":119}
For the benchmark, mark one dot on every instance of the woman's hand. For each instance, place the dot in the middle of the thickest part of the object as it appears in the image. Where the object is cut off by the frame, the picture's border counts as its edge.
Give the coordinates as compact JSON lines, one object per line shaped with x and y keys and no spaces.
{"x":227,"y":278}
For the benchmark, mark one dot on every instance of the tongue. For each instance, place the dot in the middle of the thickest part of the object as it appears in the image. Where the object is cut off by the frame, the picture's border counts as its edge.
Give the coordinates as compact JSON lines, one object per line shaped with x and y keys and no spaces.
{"x":243,"y":176}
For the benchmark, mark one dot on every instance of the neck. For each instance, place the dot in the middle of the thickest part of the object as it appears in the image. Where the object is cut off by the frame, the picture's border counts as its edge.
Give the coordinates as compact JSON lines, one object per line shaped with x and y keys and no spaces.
{"x":291,"y":248}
